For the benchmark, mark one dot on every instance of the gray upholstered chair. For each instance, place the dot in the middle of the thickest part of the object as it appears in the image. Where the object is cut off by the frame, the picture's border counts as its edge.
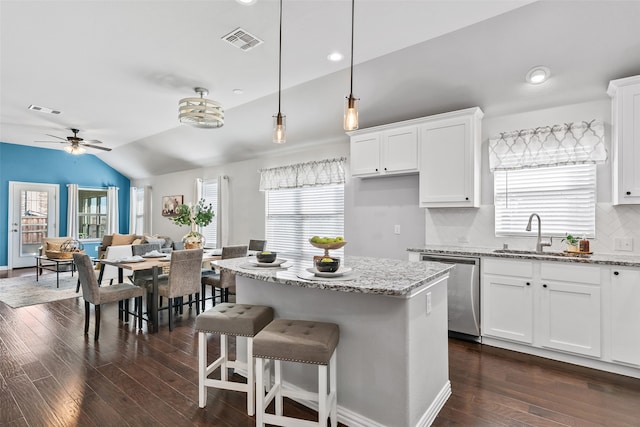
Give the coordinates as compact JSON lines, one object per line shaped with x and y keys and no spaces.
{"x":141,"y":277}
{"x":183,"y":279}
{"x":96,"y":295}
{"x":257,"y":245}
{"x":222,"y":281}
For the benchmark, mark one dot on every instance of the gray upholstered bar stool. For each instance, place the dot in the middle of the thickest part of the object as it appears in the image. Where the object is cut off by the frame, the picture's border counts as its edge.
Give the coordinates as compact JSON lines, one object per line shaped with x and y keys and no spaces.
{"x":300,"y":341}
{"x":226,"y":319}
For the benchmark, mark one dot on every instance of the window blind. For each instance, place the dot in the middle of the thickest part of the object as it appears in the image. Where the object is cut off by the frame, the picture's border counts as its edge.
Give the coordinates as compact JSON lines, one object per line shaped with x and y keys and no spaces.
{"x":294,"y":215}
{"x":210,"y":195}
{"x":563,"y":196}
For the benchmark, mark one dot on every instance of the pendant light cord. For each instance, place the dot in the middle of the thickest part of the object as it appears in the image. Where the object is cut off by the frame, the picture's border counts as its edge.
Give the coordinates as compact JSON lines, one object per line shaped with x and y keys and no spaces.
{"x":280,"y":61}
{"x":353,"y":3}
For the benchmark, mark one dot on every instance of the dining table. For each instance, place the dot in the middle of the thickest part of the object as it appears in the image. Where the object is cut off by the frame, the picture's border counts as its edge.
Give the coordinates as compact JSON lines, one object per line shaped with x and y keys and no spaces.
{"x":155,"y":264}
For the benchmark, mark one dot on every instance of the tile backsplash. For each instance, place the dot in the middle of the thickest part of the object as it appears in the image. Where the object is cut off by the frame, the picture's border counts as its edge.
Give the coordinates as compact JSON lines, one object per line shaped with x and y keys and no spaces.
{"x":475,"y":228}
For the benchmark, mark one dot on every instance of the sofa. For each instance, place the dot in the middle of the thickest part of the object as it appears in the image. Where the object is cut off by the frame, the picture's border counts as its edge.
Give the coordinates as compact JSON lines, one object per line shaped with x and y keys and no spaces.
{"x":166,"y":243}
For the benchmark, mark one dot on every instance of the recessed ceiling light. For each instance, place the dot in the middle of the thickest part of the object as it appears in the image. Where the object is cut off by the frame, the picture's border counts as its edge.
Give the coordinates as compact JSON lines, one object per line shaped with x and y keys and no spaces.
{"x":246,"y":2}
{"x":538,"y":74}
{"x":238,"y":91}
{"x":335,"y":56}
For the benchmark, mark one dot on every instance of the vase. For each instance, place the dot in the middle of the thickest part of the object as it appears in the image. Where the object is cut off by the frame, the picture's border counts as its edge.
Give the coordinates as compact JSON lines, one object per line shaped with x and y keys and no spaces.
{"x":193,"y":240}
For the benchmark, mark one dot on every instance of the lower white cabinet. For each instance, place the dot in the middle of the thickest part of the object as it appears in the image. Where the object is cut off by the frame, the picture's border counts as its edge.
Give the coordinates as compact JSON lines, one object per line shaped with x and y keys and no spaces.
{"x":544,"y":304}
{"x":625,"y":315}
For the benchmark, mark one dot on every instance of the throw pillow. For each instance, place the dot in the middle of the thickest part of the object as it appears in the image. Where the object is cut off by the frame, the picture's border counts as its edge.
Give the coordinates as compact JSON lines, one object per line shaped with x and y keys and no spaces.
{"x":122,"y":239}
{"x":136,"y":242}
{"x":152,"y":239}
{"x":107,"y":239}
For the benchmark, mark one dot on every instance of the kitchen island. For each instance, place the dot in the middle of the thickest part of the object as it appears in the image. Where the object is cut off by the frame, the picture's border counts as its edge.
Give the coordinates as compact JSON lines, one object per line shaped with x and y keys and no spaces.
{"x":392,"y":355}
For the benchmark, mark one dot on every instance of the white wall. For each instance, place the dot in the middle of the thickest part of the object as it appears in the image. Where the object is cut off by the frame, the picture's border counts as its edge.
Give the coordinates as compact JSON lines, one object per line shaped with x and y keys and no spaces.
{"x":475,"y":227}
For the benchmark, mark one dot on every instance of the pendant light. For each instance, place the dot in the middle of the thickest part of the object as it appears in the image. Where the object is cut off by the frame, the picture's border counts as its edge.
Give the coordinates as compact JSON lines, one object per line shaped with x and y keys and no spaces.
{"x":280,"y":121}
{"x":201,"y":112}
{"x":351,"y":105}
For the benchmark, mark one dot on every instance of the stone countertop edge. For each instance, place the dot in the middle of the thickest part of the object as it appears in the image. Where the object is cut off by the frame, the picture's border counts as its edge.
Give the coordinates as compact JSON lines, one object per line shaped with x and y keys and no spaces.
{"x":378,"y":276}
{"x":603,"y":259}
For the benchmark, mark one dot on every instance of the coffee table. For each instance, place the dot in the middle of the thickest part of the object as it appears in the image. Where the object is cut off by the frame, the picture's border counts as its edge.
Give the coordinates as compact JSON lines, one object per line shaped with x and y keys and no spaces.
{"x":53,"y":264}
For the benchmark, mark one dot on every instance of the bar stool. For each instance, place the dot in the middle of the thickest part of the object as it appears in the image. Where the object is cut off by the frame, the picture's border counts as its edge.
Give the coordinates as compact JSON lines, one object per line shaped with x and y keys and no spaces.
{"x":229,"y":319}
{"x":298,"y":341}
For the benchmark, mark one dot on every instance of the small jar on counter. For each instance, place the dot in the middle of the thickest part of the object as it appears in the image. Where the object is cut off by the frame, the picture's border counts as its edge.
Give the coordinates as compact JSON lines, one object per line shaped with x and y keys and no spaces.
{"x":584,"y":245}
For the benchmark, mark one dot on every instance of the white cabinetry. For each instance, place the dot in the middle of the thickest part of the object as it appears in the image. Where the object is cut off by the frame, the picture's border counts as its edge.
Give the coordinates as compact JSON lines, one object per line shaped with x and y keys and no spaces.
{"x":450,"y":160}
{"x":625,"y":153}
{"x":625,"y":315}
{"x":569,"y":311}
{"x":384,"y":152}
{"x":543,"y":304}
{"x":507,"y":300}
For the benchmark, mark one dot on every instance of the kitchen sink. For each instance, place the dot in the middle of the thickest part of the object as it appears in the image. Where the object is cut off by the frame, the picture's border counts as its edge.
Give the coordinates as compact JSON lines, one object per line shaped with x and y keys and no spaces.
{"x":523,"y":252}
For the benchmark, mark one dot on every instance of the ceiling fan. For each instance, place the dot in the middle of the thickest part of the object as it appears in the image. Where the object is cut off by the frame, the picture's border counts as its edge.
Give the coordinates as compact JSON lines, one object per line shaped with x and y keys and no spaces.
{"x":76,"y":144}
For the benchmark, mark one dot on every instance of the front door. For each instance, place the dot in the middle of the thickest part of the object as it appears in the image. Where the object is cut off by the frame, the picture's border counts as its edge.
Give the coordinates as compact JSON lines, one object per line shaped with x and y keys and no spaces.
{"x":33,"y":214}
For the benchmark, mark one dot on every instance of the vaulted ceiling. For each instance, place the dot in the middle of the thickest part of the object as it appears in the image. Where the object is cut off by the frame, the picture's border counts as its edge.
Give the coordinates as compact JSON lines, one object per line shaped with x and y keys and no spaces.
{"x":116,"y":70}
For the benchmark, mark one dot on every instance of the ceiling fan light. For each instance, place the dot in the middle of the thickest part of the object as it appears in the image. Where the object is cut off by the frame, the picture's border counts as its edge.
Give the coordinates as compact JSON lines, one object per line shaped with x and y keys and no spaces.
{"x":75,"y":149}
{"x":201,"y":112}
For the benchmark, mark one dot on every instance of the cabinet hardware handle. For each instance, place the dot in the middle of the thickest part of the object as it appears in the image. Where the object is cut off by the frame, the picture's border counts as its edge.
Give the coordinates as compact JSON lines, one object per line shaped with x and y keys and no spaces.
{"x":528,"y":284}
{"x":466,"y":198}
{"x":376,"y":169}
{"x":628,"y":193}
{"x":544,"y":286}
{"x":385,"y":168}
{"x":615,"y":273}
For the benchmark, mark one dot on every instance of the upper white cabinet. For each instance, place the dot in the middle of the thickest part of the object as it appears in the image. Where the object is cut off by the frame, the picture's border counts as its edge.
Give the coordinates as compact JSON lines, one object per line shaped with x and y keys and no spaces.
{"x":384,"y":152}
{"x":625,"y":147}
{"x":450,"y":159}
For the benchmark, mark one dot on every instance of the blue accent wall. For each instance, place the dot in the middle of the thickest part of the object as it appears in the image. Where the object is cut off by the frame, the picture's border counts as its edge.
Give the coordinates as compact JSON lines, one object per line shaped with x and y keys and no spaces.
{"x":41,"y":165}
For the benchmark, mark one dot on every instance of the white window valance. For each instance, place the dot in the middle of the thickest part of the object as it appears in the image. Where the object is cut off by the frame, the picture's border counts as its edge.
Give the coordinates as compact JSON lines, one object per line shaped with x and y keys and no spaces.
{"x":568,"y":144}
{"x":310,"y":174}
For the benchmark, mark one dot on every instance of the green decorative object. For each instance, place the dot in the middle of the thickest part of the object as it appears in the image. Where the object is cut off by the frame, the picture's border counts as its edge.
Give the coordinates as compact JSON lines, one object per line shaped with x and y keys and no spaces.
{"x":198,"y":215}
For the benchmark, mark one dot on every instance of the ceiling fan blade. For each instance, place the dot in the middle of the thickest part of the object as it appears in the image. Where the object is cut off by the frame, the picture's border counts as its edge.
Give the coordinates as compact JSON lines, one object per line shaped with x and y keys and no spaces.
{"x":93,"y":141}
{"x":55,"y":142}
{"x":97,"y":146}
{"x":58,"y":137}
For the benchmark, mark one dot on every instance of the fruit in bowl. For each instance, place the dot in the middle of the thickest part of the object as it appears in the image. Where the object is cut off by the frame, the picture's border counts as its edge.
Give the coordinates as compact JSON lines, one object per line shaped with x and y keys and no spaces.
{"x":327,"y":264}
{"x":266,"y":256}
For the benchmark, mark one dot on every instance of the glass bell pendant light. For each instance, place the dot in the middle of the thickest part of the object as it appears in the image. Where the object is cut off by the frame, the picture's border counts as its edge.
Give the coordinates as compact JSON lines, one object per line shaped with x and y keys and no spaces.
{"x":280,"y":121}
{"x":351,"y":104}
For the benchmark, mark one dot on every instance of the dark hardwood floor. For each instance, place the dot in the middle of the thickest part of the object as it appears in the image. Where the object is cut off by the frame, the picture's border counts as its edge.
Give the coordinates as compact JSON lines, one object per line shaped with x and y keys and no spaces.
{"x":52,"y":375}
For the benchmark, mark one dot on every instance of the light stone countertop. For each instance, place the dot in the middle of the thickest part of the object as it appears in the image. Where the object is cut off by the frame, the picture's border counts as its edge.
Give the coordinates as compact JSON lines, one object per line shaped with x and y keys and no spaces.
{"x":606,"y":259}
{"x":371,"y":275}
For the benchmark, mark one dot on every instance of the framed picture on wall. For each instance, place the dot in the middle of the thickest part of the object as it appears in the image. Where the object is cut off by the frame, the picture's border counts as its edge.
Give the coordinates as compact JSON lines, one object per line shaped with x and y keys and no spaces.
{"x":170,"y":203}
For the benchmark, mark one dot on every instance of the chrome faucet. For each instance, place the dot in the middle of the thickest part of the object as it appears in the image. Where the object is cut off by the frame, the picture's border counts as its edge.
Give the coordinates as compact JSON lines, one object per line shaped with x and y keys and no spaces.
{"x":539,"y":244}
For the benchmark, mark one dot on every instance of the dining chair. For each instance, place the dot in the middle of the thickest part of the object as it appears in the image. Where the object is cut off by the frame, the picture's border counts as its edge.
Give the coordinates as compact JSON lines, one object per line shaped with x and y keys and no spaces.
{"x":257,"y":245}
{"x":183,"y":279}
{"x":140,"y":277}
{"x":224,"y":280}
{"x":110,"y":272}
{"x":96,"y":295}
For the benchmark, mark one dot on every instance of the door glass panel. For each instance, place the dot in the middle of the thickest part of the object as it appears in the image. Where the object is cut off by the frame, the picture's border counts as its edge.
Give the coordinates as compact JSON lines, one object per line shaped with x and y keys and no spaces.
{"x":34,"y":216}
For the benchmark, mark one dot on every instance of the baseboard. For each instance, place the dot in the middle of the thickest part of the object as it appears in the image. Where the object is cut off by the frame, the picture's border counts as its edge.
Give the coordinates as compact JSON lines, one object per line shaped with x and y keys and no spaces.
{"x":4,"y":267}
{"x":432,"y":412}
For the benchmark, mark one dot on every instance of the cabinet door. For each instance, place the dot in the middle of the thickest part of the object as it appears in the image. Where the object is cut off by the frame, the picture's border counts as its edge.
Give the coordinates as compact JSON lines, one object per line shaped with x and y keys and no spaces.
{"x":507,"y":310}
{"x":365,"y":154}
{"x":570,"y":317}
{"x":447,"y":168}
{"x":625,"y":316}
{"x":629,"y":132}
{"x":400,"y":151}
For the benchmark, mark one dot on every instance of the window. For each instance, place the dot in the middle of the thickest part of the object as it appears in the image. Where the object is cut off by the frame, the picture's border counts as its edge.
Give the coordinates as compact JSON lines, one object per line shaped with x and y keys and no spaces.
{"x":92,"y":213}
{"x":294,"y":215}
{"x":137,"y":210}
{"x":563,"y":196}
{"x":210,"y":195}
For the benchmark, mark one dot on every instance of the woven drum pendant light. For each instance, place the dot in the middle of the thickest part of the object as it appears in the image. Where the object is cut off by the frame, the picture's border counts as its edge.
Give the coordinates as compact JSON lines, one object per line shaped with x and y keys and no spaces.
{"x":201,"y":112}
{"x":351,"y":104}
{"x":280,"y":121}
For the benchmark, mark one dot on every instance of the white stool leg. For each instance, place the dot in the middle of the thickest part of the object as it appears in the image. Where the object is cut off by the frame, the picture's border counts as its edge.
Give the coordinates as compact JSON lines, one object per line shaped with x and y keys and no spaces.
{"x":259,"y":392}
{"x":202,"y":369}
{"x":251,"y":389}
{"x":322,"y":395}
{"x":223,"y":353}
{"x":278,"y":384}
{"x":333,"y":389}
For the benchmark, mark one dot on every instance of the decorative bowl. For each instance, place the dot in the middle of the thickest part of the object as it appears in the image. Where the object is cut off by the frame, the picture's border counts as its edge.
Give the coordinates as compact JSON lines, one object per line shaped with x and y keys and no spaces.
{"x":327,"y":246}
{"x":266,"y":256}
{"x":325,"y":266}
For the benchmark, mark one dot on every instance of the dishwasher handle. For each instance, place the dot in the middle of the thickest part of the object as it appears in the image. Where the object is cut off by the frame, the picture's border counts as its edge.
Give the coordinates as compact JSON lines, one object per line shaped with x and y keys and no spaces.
{"x":450,"y":259}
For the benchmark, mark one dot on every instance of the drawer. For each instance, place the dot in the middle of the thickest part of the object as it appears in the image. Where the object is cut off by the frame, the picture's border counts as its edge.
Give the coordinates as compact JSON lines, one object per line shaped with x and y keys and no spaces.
{"x":580,"y":273}
{"x":507,"y":268}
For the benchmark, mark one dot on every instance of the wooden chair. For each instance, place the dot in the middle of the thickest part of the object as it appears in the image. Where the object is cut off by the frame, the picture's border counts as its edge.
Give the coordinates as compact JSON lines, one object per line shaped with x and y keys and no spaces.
{"x":183,"y":279}
{"x":222,"y":280}
{"x":96,"y":295}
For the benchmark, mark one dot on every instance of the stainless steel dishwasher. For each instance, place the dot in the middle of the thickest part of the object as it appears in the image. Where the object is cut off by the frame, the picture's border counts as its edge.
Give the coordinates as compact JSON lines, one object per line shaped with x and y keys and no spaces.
{"x":463,"y":295}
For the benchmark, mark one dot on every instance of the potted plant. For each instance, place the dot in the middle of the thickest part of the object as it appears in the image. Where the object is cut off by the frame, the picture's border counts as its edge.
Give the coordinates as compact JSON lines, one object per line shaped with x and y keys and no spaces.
{"x":198,"y":215}
{"x":573,"y":243}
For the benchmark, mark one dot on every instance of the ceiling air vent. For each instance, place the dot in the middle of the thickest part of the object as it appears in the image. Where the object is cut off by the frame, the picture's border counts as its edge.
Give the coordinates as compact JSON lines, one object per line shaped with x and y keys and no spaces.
{"x":43,"y":109}
{"x":242,"y":39}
